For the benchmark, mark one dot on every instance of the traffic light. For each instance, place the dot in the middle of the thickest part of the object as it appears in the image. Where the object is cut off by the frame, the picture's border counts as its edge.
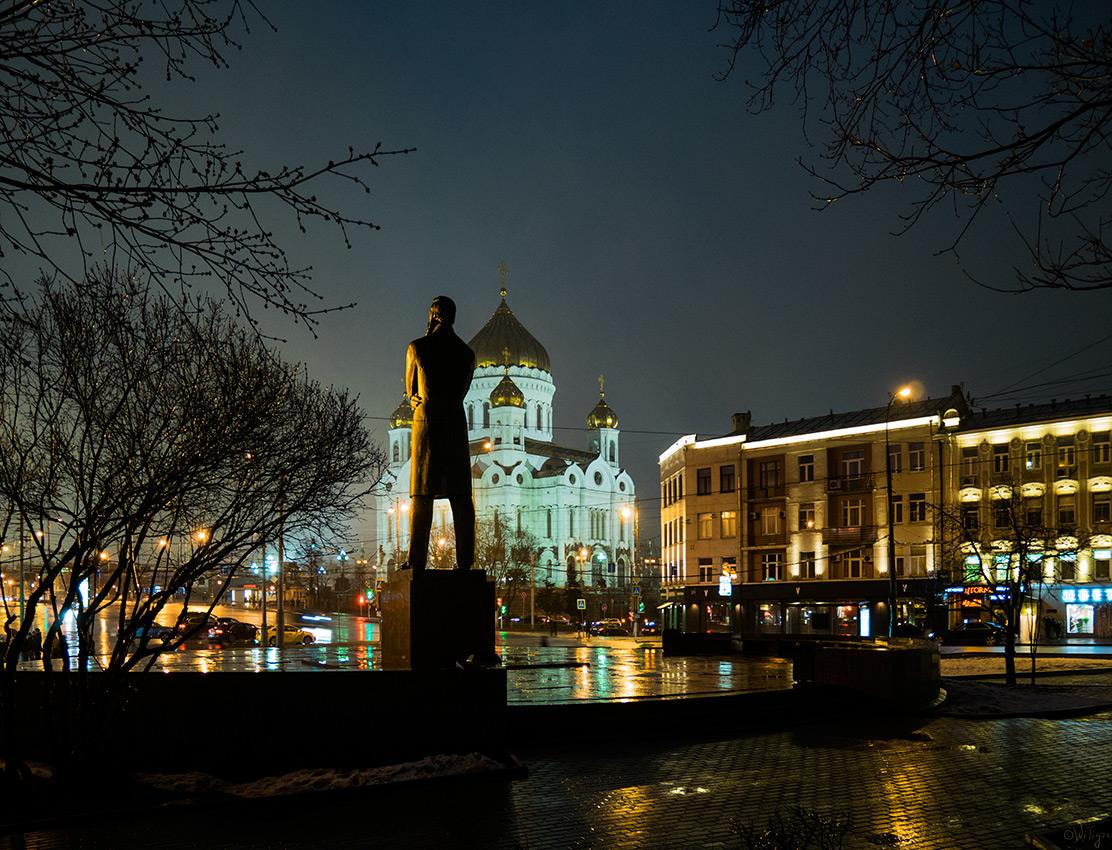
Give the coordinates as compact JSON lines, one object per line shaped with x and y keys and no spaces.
{"x":640,"y":607}
{"x":362,"y":599}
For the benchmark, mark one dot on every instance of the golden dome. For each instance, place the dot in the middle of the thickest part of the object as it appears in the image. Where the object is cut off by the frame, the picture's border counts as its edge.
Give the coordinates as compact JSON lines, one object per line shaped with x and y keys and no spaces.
{"x":402,"y":417}
{"x":506,"y":394}
{"x":503,"y":341}
{"x":602,"y":416}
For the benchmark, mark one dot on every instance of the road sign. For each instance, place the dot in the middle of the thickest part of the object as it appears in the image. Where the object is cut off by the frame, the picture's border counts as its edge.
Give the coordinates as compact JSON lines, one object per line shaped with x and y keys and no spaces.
{"x":603,"y":606}
{"x":636,"y":590}
{"x":581,"y":604}
{"x":379,"y":583}
{"x":523,"y":594}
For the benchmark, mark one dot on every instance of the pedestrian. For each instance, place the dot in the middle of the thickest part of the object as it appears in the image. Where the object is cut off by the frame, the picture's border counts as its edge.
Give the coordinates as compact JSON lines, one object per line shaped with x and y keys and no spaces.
{"x":36,"y":644}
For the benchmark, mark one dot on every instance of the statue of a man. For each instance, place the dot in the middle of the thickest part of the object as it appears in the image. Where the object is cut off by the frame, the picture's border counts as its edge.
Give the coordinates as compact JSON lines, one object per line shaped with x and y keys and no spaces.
{"x":438,"y":369}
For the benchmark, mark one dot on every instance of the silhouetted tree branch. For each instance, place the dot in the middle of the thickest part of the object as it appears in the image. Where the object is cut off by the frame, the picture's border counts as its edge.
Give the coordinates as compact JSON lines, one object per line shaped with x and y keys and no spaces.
{"x":91,"y":170}
{"x":964,"y":103}
{"x":128,"y":423}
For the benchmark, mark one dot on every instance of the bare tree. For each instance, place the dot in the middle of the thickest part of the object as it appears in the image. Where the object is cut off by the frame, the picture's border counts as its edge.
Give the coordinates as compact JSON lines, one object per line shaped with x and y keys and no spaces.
{"x":92,"y":169}
{"x":146,"y":445}
{"x":963,"y":103}
{"x":1006,"y":546}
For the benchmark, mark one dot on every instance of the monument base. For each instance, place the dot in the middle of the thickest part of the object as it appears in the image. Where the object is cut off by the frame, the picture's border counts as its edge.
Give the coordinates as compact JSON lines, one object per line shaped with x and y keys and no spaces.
{"x":437,"y":618}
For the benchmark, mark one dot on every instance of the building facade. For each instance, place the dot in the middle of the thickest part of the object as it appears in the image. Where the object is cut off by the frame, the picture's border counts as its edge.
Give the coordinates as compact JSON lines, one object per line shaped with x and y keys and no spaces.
{"x":847,"y":523}
{"x":576,"y":505}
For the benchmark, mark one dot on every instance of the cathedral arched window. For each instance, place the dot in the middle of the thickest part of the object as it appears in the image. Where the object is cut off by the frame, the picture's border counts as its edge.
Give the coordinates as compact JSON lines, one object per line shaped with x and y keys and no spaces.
{"x":548,"y":519}
{"x":470,"y":417}
{"x":540,"y":421}
{"x":612,"y":453}
{"x":571,"y":522}
{"x":397,"y":452}
{"x":519,"y":521}
{"x":486,"y":414}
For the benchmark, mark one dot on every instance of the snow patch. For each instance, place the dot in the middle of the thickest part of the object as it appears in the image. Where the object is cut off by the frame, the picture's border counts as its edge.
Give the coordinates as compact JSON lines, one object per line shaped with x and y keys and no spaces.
{"x":319,"y":780}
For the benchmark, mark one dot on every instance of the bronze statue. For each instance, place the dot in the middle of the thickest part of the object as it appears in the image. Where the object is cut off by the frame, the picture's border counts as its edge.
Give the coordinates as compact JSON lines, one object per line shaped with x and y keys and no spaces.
{"x":438,"y":370}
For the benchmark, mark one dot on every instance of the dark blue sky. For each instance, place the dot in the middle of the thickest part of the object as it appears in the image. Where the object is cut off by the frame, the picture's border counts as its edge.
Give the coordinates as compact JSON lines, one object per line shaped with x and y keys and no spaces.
{"x":655,"y":231}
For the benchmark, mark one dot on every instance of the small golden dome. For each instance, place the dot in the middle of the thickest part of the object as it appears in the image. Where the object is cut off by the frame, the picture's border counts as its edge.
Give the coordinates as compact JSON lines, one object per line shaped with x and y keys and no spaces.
{"x":602,"y":416}
{"x":402,"y":417}
{"x":507,"y":394}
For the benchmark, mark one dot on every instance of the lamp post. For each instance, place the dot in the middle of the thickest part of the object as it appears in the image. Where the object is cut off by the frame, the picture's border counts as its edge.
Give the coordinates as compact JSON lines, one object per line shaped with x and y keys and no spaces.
{"x":904,"y":393}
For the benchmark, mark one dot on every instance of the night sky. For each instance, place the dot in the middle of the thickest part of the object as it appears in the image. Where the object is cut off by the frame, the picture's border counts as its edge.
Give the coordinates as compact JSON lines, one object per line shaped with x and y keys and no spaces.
{"x":655,"y":231}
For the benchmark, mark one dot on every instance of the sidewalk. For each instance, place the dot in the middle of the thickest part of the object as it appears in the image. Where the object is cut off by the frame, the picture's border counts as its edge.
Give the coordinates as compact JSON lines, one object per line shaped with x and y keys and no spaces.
{"x":924,"y":783}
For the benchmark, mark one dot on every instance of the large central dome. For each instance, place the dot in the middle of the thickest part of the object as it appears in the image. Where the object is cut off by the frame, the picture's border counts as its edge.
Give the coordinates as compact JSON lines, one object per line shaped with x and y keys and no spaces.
{"x":502,"y":337}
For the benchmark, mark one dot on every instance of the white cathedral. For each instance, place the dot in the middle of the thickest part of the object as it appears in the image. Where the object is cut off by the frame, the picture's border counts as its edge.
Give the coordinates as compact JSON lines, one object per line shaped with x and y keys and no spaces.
{"x":577,"y":503}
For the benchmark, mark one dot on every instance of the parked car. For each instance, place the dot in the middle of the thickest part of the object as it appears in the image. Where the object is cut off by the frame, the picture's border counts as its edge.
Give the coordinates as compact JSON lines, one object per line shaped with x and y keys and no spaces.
{"x":194,"y":626}
{"x":974,"y":633}
{"x":610,"y":628}
{"x":155,"y":631}
{"x":230,"y":630}
{"x":290,"y":634}
{"x":908,"y":630}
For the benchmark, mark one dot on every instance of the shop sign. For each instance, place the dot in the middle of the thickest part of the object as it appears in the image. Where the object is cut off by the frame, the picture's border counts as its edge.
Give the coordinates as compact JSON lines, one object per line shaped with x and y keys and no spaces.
{"x":1087,"y":594}
{"x":725,"y":586}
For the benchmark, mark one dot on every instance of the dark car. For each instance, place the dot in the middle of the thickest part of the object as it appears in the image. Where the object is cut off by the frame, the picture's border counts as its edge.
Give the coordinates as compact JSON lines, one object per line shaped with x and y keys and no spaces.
{"x":194,"y":626}
{"x":229,"y":630}
{"x":974,"y":633}
{"x":649,"y":628}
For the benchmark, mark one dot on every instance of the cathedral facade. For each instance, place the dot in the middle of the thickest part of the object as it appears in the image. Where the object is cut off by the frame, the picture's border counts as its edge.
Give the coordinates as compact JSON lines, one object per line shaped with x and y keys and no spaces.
{"x":575,"y":504}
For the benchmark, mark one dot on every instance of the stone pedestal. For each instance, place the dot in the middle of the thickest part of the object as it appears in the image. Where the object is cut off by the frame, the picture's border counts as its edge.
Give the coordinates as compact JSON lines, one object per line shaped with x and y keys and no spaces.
{"x":436,"y":618}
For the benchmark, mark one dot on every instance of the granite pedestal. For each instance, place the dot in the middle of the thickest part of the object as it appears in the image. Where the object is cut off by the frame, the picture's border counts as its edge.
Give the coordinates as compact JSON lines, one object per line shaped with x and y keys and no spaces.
{"x":437,"y":618}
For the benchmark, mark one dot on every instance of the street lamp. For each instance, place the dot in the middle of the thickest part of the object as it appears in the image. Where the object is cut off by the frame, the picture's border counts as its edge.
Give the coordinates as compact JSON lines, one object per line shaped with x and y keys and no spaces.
{"x":904,"y":394}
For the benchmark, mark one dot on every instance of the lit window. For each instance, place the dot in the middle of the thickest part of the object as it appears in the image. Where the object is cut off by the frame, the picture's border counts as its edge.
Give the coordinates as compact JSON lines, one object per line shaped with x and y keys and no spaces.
{"x":771,"y":566}
{"x":1102,"y":507}
{"x":770,"y":521}
{"x":1066,"y":454}
{"x":706,"y":526}
{"x":853,"y":513}
{"x":806,"y":516}
{"x":729,"y":523}
{"x":1033,"y":457}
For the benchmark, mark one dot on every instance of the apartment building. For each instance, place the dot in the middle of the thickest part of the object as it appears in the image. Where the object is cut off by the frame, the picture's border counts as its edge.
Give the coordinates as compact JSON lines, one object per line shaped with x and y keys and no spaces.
{"x":806,"y":527}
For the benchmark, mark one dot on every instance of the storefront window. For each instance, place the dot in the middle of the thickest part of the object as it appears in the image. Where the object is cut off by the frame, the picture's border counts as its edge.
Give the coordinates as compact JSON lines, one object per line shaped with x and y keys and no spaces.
{"x":846,"y":620}
{"x":1079,"y":619}
{"x":770,"y":618}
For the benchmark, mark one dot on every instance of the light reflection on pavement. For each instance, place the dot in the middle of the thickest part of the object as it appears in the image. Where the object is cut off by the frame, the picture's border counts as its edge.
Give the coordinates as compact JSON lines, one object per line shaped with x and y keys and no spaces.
{"x":540,"y":669}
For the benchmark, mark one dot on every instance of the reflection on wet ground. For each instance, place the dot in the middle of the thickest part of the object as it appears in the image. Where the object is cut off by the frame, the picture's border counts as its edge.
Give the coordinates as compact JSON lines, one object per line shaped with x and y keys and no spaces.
{"x":541,"y":670}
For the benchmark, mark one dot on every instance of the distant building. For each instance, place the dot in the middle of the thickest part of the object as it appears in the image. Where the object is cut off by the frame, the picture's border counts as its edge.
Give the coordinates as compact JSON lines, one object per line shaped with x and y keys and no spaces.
{"x":578,"y":504}
{"x":793,"y":528}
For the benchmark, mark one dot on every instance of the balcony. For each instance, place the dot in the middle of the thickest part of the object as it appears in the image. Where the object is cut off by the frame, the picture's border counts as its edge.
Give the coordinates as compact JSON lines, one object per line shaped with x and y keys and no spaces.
{"x":860,"y":535}
{"x":757,"y":493}
{"x":850,"y":484}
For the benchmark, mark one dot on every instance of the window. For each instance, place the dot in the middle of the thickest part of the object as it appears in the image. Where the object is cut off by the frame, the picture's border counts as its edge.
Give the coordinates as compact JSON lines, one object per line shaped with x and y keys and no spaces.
{"x":706,"y":571}
{"x":729,"y":523}
{"x":726,"y":479}
{"x":1066,"y":453}
{"x":571,"y":521}
{"x":970,"y":518}
{"x":1033,"y":455}
{"x":852,"y":563}
{"x":806,"y":516}
{"x":1102,"y":448}
{"x":486,"y":414}
{"x":806,"y":564}
{"x":769,"y":474}
{"x":918,"y":561}
{"x":1033,"y":512}
{"x":1001,"y":513}
{"x":969,"y":465}
{"x":917,"y":507}
{"x":1067,"y":569}
{"x":548,"y":522}
{"x":895,"y":457}
{"x":1067,"y":513}
{"x":1102,"y":507}
{"x":853,"y":513}
{"x":896,"y":506}
{"x":770,"y":521}
{"x":705,"y":526}
{"x":916,"y":457}
{"x":702,"y":481}
{"x":901,"y":562}
{"x":853,"y":463}
{"x":1100,"y":568}
{"x":1000,"y":458}
{"x":806,"y":467}
{"x":771,"y":566}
